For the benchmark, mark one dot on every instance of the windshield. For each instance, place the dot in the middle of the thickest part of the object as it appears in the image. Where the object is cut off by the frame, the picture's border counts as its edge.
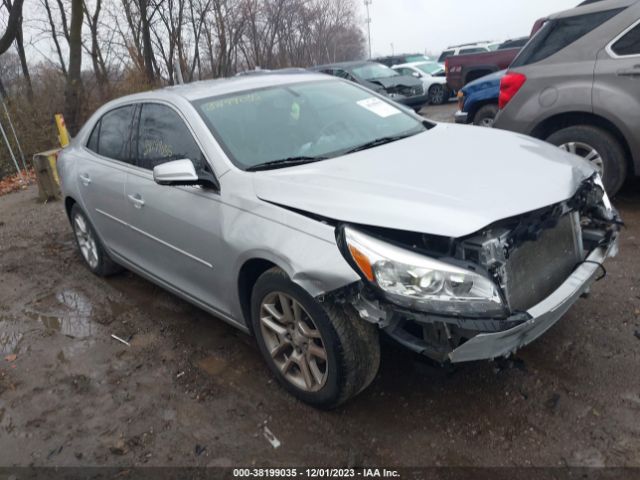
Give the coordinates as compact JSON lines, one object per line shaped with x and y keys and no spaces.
{"x":371,"y":71}
{"x":418,"y":58}
{"x":430,"y":68}
{"x":314,"y":120}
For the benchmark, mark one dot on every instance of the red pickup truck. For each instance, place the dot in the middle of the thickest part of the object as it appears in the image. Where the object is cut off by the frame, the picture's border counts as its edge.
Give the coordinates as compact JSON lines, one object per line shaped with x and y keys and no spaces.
{"x":462,"y":69}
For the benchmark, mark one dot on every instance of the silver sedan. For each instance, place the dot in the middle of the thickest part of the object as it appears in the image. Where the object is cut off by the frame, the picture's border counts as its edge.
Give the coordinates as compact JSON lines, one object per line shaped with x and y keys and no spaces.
{"x":315,"y":215}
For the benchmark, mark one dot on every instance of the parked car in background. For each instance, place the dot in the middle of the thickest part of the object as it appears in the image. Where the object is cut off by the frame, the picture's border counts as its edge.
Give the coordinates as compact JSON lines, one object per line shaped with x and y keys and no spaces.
{"x":404,"y":89}
{"x":464,"y":49}
{"x":577,"y":85}
{"x":433,"y":79}
{"x":478,"y":100}
{"x":392,"y":60}
{"x":463,"y":69}
{"x":317,"y":215}
{"x":513,"y":43}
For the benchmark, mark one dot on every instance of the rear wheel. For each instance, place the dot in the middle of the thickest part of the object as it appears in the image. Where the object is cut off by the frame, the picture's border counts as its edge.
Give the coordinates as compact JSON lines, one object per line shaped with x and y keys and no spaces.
{"x":323,"y":354}
{"x":486,"y":116}
{"x":598,"y":147}
{"x":93,"y":253}
{"x":437,"y":95}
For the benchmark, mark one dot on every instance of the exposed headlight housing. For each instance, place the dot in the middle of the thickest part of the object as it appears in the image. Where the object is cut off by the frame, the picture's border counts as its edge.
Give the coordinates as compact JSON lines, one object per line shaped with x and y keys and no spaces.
{"x":415,"y":281}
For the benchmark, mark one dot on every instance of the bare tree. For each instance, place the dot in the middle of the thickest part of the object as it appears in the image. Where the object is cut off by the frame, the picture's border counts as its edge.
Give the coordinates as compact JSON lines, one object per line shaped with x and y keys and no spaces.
{"x":54,"y":35}
{"x":97,"y":59}
{"x":73,"y":86}
{"x":14,"y":24}
{"x":21,"y":53}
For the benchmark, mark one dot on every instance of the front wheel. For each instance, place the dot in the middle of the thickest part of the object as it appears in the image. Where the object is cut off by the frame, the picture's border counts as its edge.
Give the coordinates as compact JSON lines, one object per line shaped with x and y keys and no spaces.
{"x":323,"y":354}
{"x":598,"y":147}
{"x":437,"y":95}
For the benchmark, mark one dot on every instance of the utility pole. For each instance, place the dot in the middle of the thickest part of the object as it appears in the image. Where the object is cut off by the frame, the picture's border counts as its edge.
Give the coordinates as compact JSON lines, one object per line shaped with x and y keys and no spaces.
{"x":367,"y":3}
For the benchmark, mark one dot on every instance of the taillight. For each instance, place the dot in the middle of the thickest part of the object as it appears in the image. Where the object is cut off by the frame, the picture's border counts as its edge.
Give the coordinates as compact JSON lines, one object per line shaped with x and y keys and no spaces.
{"x":446,"y":66}
{"x":510,"y":84}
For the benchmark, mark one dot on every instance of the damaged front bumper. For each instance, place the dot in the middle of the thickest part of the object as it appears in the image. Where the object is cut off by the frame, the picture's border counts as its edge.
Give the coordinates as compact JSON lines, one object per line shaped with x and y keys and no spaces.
{"x":543,"y":315}
{"x":465,"y":339}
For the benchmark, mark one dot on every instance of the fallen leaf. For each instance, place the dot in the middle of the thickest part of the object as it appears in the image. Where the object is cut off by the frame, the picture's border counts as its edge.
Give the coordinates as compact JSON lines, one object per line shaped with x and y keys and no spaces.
{"x":11,"y":358}
{"x":15,"y":182}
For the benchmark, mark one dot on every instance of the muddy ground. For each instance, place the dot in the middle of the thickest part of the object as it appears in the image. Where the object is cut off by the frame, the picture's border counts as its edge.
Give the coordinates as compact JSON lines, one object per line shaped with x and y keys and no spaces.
{"x":191,"y":390}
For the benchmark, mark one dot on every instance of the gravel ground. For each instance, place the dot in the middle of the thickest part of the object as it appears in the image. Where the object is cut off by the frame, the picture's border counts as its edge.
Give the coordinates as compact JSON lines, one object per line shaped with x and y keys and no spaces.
{"x":192,"y":391}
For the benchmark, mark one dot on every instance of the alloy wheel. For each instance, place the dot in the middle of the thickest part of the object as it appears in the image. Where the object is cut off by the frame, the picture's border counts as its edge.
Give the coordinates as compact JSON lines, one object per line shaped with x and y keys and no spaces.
{"x":294,"y":341}
{"x":587,"y":152}
{"x":86,"y":242}
{"x":437,"y":95}
{"x":487,"y":122}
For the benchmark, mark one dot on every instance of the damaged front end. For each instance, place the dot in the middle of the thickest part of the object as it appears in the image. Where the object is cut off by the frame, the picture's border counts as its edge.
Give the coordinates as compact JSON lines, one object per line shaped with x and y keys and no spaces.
{"x":485,"y":295}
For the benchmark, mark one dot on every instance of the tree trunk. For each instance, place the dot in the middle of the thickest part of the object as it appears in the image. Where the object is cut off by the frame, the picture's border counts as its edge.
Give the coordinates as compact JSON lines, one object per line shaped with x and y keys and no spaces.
{"x":23,"y":63}
{"x":72,"y":92}
{"x":13,"y":25}
{"x":146,"y":41}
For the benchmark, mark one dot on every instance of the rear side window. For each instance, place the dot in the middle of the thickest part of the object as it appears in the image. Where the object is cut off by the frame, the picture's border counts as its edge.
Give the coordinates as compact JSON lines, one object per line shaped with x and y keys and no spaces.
{"x":558,"y":34}
{"x":92,"y":144}
{"x":629,"y":44}
{"x":111,"y":135}
{"x":163,"y":137}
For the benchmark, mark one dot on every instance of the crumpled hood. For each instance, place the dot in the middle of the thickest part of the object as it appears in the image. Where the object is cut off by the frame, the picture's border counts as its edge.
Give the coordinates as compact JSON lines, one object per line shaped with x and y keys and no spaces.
{"x":397,"y":81}
{"x":451,"y":181}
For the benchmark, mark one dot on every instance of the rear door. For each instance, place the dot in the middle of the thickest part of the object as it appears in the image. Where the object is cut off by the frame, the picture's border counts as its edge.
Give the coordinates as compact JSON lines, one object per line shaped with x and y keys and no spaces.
{"x":102,"y":174}
{"x":616,"y":94}
{"x":176,"y":230}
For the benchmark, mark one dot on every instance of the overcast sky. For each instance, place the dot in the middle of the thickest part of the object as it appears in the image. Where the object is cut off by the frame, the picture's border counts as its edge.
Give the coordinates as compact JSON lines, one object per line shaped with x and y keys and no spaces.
{"x":433,"y":25}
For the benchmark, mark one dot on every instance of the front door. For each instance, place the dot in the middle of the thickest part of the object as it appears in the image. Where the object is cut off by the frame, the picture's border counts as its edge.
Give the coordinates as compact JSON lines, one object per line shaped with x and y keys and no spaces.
{"x":176,"y":229}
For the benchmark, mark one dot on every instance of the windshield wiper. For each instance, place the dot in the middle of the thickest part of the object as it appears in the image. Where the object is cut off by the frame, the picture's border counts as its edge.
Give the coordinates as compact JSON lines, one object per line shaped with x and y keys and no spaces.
{"x":285,"y":162}
{"x":377,"y":142}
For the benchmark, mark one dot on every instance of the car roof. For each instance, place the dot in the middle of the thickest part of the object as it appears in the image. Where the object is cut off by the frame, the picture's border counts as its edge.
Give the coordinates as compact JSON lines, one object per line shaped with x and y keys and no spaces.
{"x":415,"y":64}
{"x":593,"y":7}
{"x":346,"y":65}
{"x":223,"y":86}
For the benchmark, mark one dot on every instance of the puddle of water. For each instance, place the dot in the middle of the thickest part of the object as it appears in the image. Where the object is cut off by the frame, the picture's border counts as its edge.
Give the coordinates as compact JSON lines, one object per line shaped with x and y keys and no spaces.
{"x":67,"y":312}
{"x":10,"y":337}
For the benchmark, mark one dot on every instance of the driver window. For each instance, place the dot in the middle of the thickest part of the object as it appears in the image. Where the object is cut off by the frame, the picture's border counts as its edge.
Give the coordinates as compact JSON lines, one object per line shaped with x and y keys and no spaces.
{"x":163,"y":137}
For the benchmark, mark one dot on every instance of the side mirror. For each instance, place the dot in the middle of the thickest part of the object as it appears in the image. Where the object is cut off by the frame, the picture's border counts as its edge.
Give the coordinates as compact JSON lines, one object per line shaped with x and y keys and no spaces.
{"x":177,"y":172}
{"x":416,"y":74}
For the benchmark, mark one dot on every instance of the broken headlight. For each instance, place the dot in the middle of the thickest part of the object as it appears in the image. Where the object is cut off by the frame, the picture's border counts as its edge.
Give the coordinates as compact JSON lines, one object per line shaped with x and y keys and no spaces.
{"x":418,"y":282}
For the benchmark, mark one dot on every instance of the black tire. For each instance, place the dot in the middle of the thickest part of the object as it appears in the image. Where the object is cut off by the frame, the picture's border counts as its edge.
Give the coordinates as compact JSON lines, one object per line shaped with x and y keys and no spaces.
{"x":352,"y":345}
{"x":609,"y":148}
{"x":438,"y":94}
{"x":104,"y":265}
{"x":486,"y":115}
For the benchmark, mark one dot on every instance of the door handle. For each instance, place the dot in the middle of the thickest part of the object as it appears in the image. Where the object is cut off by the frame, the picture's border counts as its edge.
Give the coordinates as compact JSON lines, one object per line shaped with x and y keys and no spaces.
{"x":137,"y":200}
{"x":632,"y":72}
{"x":85,"y":179}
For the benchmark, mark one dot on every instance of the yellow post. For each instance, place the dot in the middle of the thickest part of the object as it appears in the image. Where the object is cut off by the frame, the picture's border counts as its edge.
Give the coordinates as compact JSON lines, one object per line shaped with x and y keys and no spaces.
{"x":63,"y":134}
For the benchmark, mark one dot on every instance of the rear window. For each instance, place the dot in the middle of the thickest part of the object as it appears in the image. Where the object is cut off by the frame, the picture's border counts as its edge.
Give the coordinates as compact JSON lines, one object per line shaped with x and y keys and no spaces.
{"x":469,"y":51}
{"x":558,"y":34}
{"x":629,"y":44}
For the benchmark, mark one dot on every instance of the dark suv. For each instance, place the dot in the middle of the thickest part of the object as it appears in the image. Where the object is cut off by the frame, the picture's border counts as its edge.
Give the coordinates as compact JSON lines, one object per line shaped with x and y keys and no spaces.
{"x":576,"y":84}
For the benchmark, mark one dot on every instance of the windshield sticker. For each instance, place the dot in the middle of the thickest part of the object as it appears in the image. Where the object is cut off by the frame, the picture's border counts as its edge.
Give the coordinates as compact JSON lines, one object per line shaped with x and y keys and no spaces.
{"x":377,"y":106}
{"x":232,"y":101}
